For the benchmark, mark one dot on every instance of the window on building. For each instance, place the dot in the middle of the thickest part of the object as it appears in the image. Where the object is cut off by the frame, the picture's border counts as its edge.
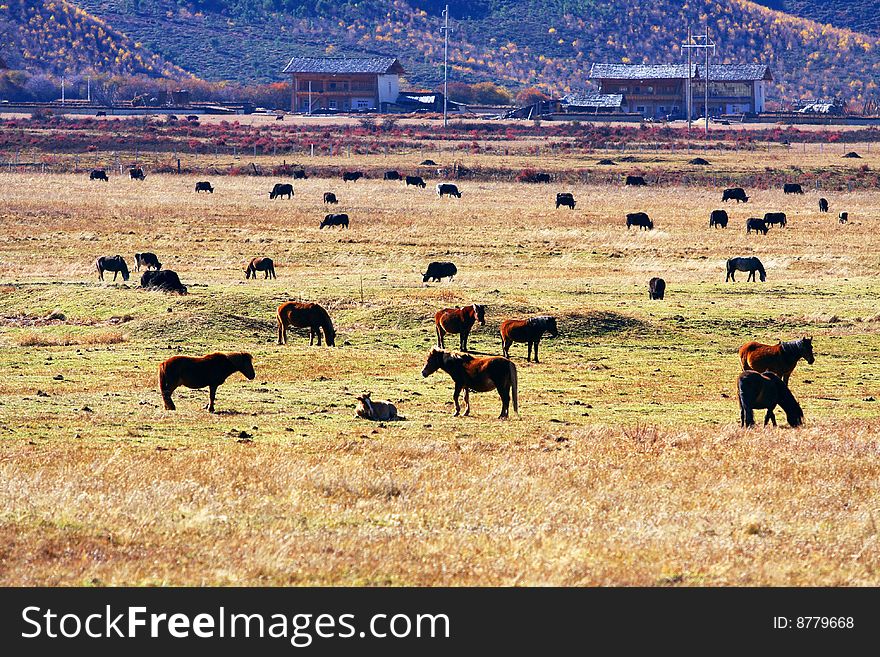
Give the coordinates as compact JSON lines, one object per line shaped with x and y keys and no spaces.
{"x":332,"y":104}
{"x":649,"y":90}
{"x":332,"y":86}
{"x":622,"y":90}
{"x":362,"y":104}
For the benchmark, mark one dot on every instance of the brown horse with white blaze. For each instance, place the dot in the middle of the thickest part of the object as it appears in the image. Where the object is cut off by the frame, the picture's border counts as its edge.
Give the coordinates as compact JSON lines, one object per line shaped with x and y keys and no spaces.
{"x":778,"y":358}
{"x":208,"y":371}
{"x":458,"y":320}
{"x":305,"y":315}
{"x":477,"y":374}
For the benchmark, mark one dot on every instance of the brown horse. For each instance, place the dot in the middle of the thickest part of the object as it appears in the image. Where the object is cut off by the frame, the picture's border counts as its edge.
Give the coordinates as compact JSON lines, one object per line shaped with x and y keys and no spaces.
{"x":779,"y":358}
{"x":260,"y":264}
{"x":766,"y":390}
{"x":526,"y":330}
{"x":305,"y":315}
{"x":210,"y":371}
{"x":477,"y":374}
{"x":458,"y":320}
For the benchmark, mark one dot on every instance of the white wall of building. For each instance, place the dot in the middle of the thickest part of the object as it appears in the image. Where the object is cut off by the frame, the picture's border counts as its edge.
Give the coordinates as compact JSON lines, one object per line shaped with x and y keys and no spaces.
{"x":389,"y":88}
{"x":759,"y":96}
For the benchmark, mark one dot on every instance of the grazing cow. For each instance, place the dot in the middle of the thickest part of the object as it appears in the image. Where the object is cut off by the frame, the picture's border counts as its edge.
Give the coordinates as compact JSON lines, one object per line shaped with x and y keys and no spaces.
{"x":750,"y":264}
{"x":172,"y":117}
{"x":116,"y":264}
{"x":477,"y":374}
{"x":147,"y":261}
{"x":264,"y":265}
{"x":165,"y":280}
{"x":136,"y":173}
{"x":101,"y":113}
{"x":99,"y":174}
{"x":656,"y":289}
{"x":378,"y":411}
{"x":823,"y":205}
{"x":438,"y":270}
{"x":448,"y":189}
{"x":635,"y":181}
{"x":565,"y":198}
{"x":767,"y":390}
{"x":773,"y":218}
{"x":757,"y":225}
{"x":792,"y":188}
{"x":392,"y":175}
{"x":542,"y":178}
{"x":279,"y":117}
{"x":209,"y":371}
{"x":779,"y":358}
{"x":300,"y":174}
{"x":639,"y":219}
{"x":737,"y":194}
{"x":417,"y":181}
{"x":428,"y":163}
{"x":458,"y":320}
{"x":192,"y":117}
{"x":305,"y":315}
{"x":281,"y":189}
{"x":529,"y":331}
{"x":352,"y":176}
{"x":330,"y":198}
{"x":843,"y":217}
{"x":718,"y":218}
{"x":335,"y":220}
{"x":204,"y":186}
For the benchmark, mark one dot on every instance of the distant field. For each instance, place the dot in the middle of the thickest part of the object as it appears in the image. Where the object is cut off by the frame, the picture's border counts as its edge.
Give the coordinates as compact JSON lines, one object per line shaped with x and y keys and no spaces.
{"x":626,"y":465}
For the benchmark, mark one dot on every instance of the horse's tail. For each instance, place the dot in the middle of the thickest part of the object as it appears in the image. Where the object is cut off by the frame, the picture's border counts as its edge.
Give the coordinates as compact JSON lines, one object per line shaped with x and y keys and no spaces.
{"x":514,"y":388}
{"x":746,"y":413}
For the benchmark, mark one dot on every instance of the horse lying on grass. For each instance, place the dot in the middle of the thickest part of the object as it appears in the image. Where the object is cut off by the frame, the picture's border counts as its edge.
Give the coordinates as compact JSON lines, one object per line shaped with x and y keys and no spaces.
{"x":378,"y":411}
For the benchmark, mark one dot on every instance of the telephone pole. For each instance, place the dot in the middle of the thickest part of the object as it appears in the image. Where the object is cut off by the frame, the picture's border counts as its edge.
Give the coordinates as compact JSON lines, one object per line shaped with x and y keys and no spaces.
{"x":704,"y":43}
{"x":445,"y":30}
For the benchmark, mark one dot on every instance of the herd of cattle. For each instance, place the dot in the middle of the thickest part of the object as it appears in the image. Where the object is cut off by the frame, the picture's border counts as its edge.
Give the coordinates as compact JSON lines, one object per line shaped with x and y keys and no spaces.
{"x":469,"y":373}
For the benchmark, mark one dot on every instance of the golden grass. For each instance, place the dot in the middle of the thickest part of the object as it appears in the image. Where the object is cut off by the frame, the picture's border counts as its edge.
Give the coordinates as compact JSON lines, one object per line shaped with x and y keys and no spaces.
{"x":38,"y":339}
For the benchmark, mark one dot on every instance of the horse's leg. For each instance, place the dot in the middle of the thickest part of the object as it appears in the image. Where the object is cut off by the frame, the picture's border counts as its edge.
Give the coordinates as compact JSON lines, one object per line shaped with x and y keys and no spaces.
{"x":166,"y":391}
{"x":505,"y":347}
{"x":114,"y":276}
{"x":504,"y":393}
{"x":455,"y":399}
{"x":311,"y":335}
{"x":317,"y":331}
{"x":463,"y":339}
{"x":212,"y":394}
{"x":467,"y":401}
{"x":282,"y":337}
{"x":536,"y":348}
{"x":770,"y":417}
{"x":439,"y":335}
{"x":529,"y":351}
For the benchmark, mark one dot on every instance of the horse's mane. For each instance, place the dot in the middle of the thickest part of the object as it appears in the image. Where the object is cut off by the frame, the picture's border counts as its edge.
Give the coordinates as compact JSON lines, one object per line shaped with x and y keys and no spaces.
{"x":451,"y":355}
{"x":238,"y":358}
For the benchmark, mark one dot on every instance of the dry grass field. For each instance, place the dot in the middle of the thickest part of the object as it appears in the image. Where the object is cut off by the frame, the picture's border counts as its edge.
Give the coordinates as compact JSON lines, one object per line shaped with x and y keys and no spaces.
{"x":626,"y":466}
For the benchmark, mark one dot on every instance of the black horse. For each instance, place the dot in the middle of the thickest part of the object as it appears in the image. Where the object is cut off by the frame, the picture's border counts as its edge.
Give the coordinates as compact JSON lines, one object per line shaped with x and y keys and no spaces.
{"x":768,"y":391}
{"x":116,"y":264}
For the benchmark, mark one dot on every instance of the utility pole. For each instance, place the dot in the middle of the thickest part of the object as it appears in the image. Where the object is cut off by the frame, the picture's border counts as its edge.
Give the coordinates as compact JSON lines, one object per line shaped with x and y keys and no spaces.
{"x":687,"y":93}
{"x":445,"y":30}
{"x":62,"y":90}
{"x":706,"y":100}
{"x":89,"y":88}
{"x":310,"y":97}
{"x":706,"y":45}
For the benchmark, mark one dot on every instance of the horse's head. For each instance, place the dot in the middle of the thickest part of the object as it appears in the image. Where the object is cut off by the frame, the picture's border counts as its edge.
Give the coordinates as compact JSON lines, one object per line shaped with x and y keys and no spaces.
{"x":435,"y":360}
{"x":364,"y":398}
{"x":480,"y":312}
{"x":763,"y":275}
{"x":330,"y":335}
{"x":244,"y":363}
{"x":806,"y":345}
{"x":123,"y":268}
{"x":551,"y":327}
{"x":425,"y":277}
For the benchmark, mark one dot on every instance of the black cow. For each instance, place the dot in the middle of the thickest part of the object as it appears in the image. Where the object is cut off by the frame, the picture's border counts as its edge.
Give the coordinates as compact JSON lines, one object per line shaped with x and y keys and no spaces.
{"x":757,"y":225}
{"x":136,"y":173}
{"x":823,"y":205}
{"x":330,"y":197}
{"x":639,"y":219}
{"x":300,"y":174}
{"x":192,"y":117}
{"x":718,"y":218}
{"x":656,"y":289}
{"x":542,"y":178}
{"x":737,"y":194}
{"x":101,"y":113}
{"x":391,"y":175}
{"x":792,"y":188}
{"x":352,"y":176}
{"x":843,"y":217}
{"x":204,"y":186}
{"x":280,"y":117}
{"x":335,"y":220}
{"x":146,"y":260}
{"x":448,"y":189}
{"x":165,"y":280}
{"x":415,"y":180}
{"x":565,"y":198}
{"x":99,"y":174}
{"x":428,"y":163}
{"x":281,"y":189}
{"x":773,"y":218}
{"x":635,"y":181}
{"x":438,"y":270}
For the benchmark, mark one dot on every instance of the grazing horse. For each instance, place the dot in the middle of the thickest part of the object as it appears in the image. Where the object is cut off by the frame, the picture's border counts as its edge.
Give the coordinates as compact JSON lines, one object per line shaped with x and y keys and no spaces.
{"x":116,"y":264}
{"x":823,"y":205}
{"x":843,"y":217}
{"x":439,"y":270}
{"x":778,"y":358}
{"x":99,"y":174}
{"x":204,"y":186}
{"x":264,"y":265}
{"x":330,"y":197}
{"x":378,"y":411}
{"x":458,"y":320}
{"x":210,"y":371}
{"x":757,"y":225}
{"x":756,"y":390}
{"x":147,"y":260}
{"x":566,"y":199}
{"x":527,"y":330}
{"x":656,"y":289}
{"x":750,"y":265}
{"x":305,"y":315}
{"x":477,"y":374}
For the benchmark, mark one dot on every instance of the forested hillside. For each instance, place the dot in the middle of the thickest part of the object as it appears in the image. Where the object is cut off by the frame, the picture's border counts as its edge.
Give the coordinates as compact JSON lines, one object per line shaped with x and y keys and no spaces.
{"x":858,"y":15}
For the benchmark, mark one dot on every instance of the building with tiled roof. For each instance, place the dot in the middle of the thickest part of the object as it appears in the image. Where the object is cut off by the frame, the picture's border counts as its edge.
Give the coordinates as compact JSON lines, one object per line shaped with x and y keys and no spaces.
{"x":343,"y":83}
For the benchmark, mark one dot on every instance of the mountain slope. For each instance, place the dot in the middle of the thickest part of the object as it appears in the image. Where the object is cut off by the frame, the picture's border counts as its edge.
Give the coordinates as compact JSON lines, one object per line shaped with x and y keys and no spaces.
{"x":858,"y":15}
{"x":54,"y":36}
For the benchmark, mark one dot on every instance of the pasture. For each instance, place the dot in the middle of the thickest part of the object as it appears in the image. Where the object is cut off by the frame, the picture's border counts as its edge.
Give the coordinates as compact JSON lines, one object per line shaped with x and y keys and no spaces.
{"x":626,"y":466}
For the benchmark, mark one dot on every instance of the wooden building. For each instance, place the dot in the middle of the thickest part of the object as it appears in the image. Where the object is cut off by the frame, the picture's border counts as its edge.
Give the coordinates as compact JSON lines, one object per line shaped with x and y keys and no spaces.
{"x":343,"y":84}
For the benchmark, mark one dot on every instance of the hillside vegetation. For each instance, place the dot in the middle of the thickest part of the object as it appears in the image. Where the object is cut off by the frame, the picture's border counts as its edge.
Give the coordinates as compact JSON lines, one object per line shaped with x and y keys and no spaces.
{"x":858,"y":15}
{"x":548,"y":44}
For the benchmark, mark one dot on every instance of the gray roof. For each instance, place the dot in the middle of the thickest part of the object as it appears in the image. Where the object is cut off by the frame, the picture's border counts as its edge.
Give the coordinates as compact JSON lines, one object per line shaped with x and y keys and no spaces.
{"x":374,"y":65}
{"x":593,"y":99}
{"x":720,"y":72}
